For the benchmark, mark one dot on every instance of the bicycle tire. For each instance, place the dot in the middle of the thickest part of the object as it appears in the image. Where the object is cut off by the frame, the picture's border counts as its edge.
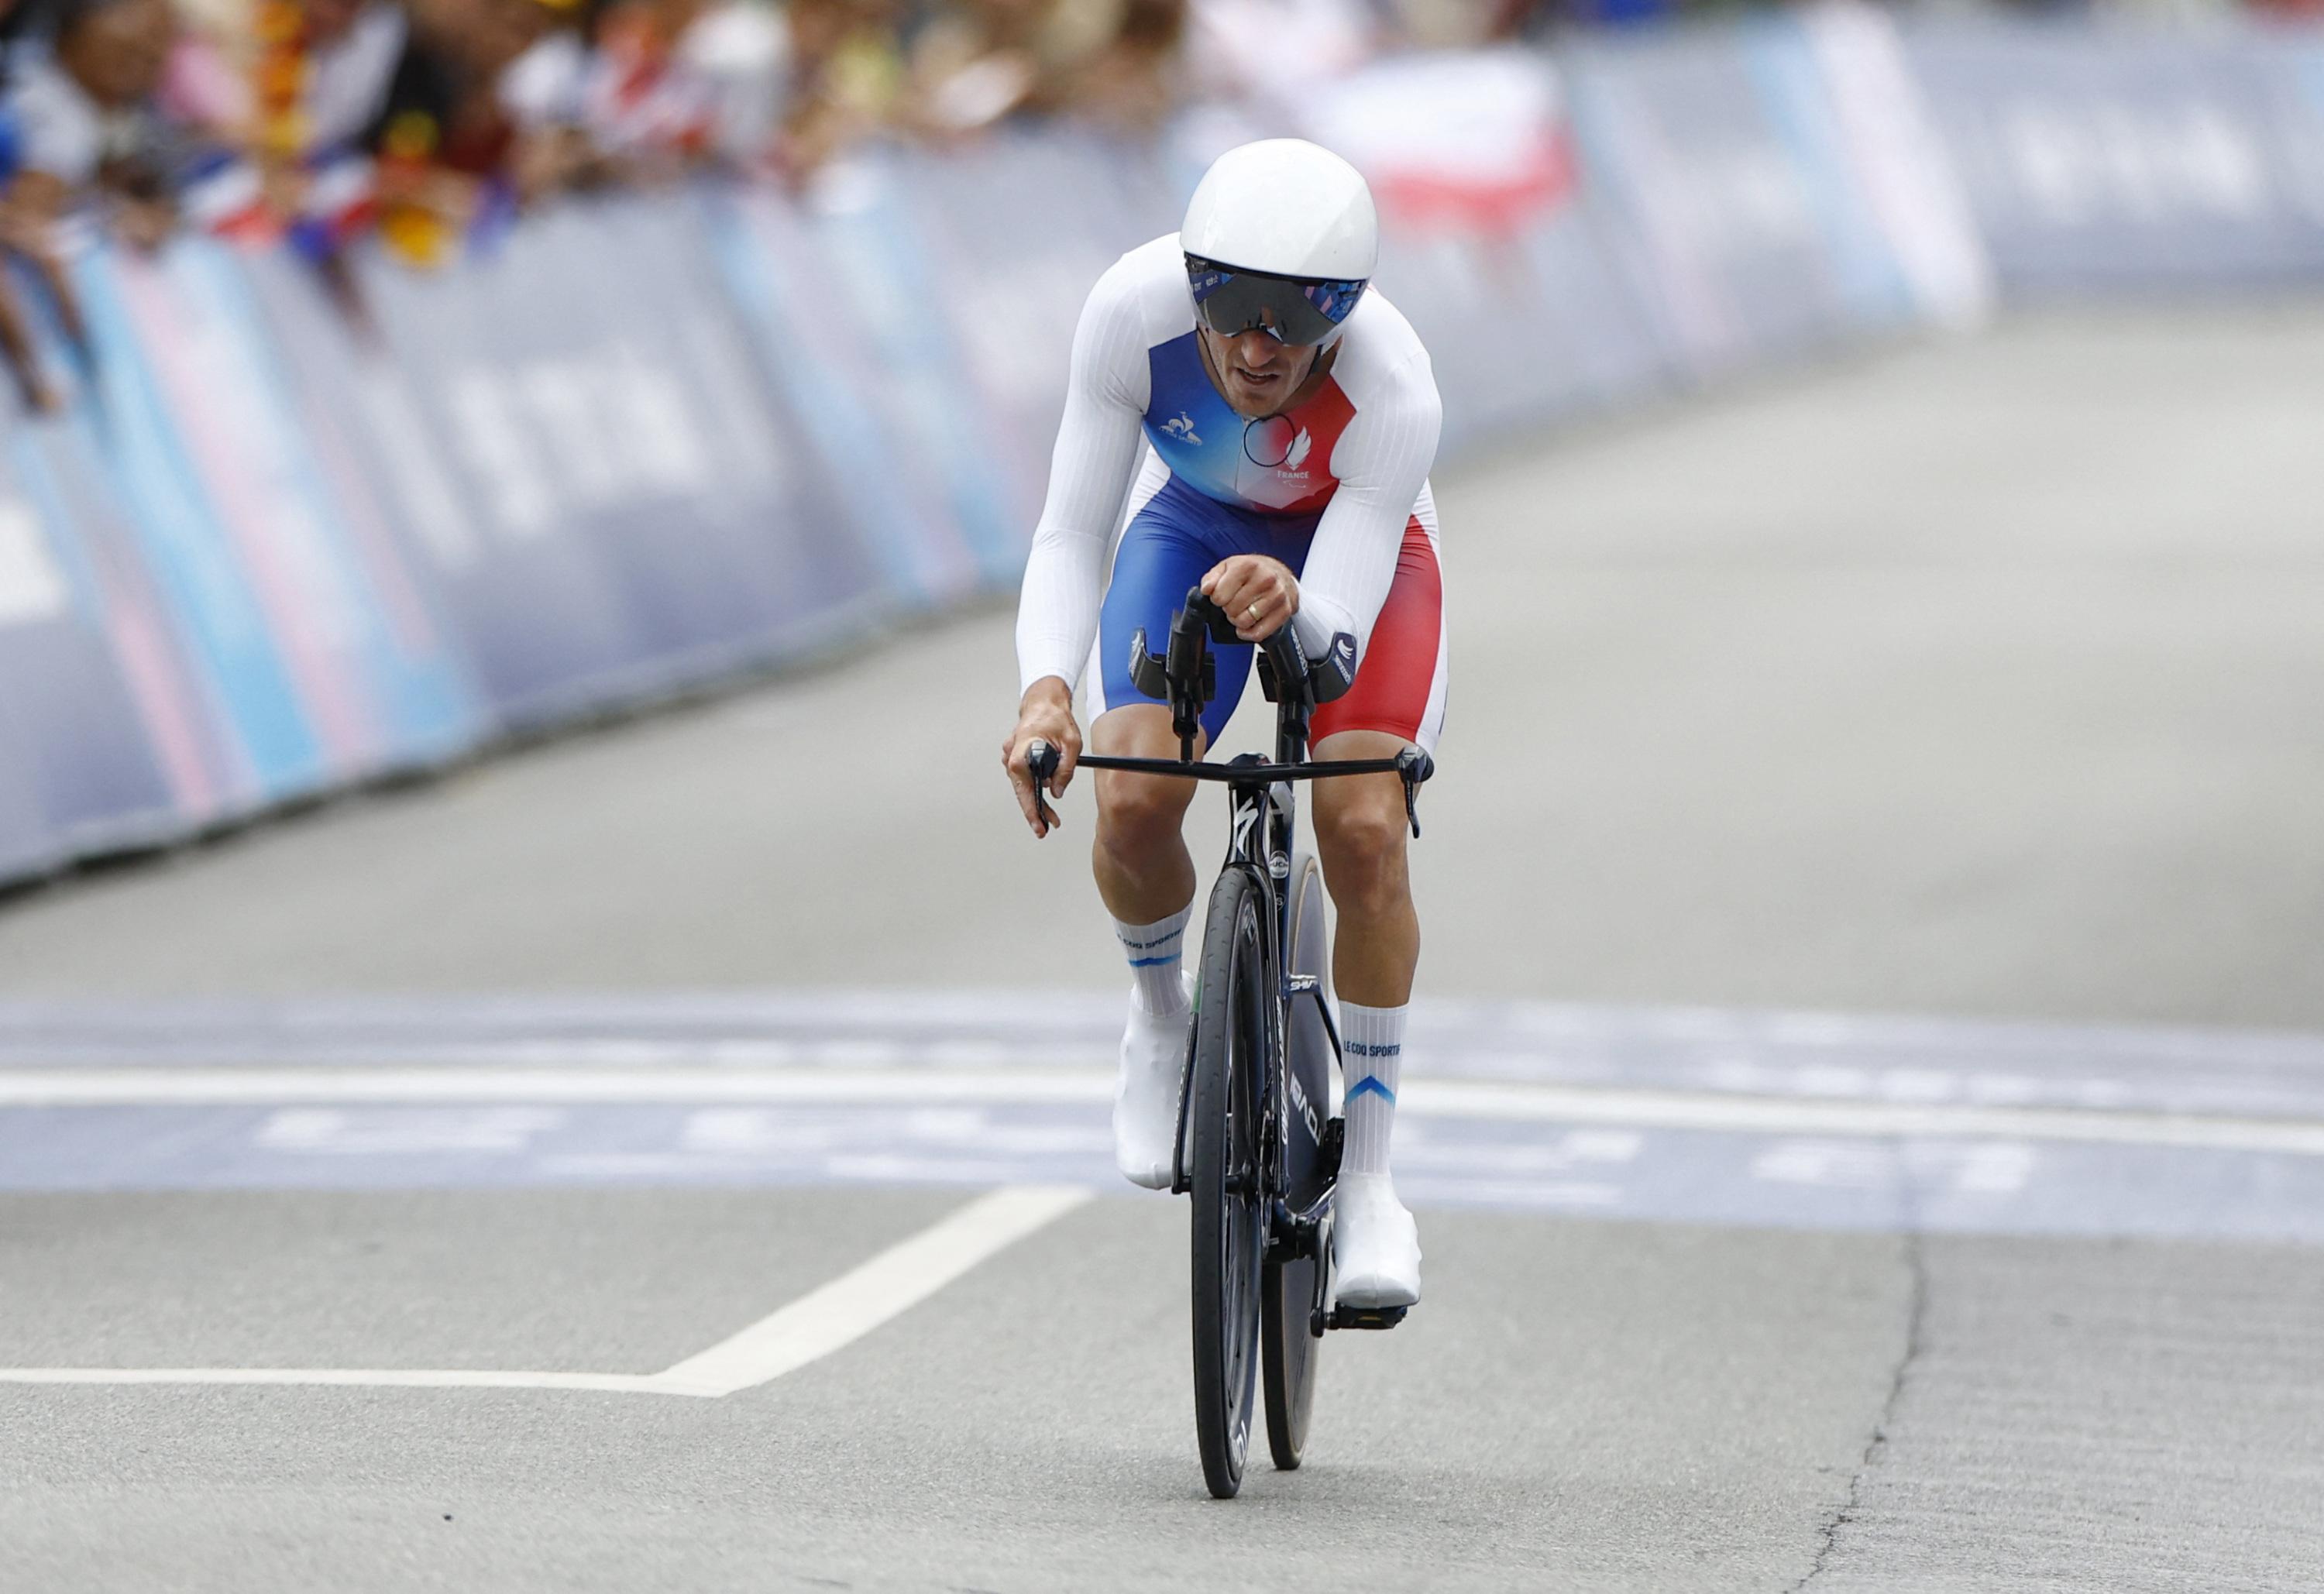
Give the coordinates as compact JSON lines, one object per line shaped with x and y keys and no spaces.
{"x":1230,"y":1233}
{"x":1288,"y":1350}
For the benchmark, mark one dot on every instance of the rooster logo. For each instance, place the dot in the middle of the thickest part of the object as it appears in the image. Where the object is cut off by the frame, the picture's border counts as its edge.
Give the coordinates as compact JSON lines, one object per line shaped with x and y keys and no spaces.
{"x":1183,"y":428}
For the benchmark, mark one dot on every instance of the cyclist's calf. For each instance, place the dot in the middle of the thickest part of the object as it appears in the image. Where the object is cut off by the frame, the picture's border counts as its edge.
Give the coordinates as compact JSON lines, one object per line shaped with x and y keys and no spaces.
{"x":1360,"y":834}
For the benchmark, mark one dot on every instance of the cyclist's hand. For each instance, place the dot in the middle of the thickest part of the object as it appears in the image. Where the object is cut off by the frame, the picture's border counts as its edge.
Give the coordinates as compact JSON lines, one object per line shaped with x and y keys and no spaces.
{"x":1260,"y":594}
{"x":1046,"y":715}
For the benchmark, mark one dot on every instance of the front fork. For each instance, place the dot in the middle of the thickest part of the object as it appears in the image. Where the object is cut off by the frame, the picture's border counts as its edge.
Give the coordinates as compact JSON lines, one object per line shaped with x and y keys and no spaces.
{"x":1254,"y":814}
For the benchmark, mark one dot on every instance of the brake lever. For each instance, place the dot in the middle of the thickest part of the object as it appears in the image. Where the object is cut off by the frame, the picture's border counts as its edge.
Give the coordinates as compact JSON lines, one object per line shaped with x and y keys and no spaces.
{"x":1041,"y":760}
{"x":1413,"y":766}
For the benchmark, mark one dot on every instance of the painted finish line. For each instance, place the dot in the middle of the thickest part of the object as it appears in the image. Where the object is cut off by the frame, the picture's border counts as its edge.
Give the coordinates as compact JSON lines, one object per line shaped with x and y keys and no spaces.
{"x":1796,"y":1120}
{"x":827,"y":1319}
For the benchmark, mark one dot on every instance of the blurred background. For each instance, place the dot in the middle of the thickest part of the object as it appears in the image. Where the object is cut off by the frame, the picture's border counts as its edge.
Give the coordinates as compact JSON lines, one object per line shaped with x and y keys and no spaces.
{"x":392,"y":381}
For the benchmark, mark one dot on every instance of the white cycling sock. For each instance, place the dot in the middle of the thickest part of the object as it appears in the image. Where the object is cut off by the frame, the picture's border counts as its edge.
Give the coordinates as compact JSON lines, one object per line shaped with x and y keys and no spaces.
{"x":1156,"y":952}
{"x":1371,"y":1059}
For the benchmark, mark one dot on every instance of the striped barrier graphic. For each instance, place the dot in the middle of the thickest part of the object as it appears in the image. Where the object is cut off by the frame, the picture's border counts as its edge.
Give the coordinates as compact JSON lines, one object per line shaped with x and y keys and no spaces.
{"x":646,"y":442}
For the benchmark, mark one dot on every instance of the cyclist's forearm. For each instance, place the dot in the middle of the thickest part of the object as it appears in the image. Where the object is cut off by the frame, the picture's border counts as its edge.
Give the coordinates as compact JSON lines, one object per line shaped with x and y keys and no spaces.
{"x":1058,"y":610}
{"x":1348,"y":578}
{"x":1352,"y":562}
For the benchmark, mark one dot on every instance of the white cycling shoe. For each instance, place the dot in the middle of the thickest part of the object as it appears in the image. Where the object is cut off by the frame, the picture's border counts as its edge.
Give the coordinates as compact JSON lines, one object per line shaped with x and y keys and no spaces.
{"x":1375,"y":1244}
{"x":1146,"y":1095}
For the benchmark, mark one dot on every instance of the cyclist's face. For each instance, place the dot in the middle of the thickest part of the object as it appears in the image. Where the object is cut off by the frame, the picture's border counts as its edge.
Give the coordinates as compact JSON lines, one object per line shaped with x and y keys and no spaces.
{"x":1255,"y":373}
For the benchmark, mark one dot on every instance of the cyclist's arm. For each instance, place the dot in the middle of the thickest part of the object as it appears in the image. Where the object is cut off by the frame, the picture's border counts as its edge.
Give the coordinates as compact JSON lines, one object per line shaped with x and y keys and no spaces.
{"x":1089,"y":473}
{"x":1382,"y":461}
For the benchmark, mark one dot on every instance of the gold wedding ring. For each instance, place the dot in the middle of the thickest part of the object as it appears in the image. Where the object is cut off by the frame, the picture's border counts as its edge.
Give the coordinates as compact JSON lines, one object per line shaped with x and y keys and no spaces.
{"x":1250,"y":615}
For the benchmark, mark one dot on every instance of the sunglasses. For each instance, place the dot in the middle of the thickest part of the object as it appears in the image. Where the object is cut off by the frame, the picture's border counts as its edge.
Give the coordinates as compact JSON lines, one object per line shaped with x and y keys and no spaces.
{"x":1297,"y":310}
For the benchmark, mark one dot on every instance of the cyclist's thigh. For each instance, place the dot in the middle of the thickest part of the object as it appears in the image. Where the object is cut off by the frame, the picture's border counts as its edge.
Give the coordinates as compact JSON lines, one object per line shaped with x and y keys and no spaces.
{"x":1400,"y":684}
{"x":1169,"y":546}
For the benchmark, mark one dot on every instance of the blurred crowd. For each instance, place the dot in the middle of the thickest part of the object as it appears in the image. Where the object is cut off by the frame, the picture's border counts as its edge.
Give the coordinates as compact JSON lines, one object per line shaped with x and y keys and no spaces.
{"x":425,"y":118}
{"x":430,"y":124}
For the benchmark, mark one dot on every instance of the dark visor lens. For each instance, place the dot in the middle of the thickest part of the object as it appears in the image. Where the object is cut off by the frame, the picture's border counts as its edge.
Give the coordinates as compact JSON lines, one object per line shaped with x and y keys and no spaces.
{"x":1294,"y":310}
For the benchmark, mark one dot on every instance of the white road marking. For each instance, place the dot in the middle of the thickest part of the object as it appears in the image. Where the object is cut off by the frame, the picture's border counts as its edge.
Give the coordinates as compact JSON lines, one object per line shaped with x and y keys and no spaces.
{"x":565,"y":1087}
{"x":854,"y":1305}
{"x":1693,"y":1110}
{"x":352,"y":1377}
{"x":1993,"y":1167}
{"x":406,"y":1131}
{"x":810,"y":1328}
{"x":922,"y":1088}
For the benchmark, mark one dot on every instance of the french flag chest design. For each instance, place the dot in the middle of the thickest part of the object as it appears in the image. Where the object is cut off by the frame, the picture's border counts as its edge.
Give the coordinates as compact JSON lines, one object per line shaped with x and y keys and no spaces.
{"x":1281,"y":465}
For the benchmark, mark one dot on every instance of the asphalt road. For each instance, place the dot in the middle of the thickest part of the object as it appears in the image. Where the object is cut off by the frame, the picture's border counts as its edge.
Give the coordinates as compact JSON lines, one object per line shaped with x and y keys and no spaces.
{"x":1976,"y":680}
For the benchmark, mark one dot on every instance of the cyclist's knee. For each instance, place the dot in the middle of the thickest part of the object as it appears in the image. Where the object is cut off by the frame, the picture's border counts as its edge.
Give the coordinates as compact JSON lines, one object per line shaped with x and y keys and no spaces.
{"x":1360,"y":834}
{"x":1138,"y":814}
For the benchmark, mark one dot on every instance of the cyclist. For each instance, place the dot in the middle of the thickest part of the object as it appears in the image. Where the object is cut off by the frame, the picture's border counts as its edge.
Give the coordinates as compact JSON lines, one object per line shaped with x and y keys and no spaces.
{"x":1289,"y":418}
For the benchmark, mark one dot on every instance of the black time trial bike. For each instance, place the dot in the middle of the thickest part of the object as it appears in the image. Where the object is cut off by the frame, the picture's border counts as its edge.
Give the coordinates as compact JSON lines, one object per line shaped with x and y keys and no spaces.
{"x":1258,"y":1141}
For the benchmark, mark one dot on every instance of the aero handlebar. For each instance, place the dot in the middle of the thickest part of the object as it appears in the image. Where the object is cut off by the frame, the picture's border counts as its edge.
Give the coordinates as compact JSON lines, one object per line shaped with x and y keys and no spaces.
{"x":1185,"y":677}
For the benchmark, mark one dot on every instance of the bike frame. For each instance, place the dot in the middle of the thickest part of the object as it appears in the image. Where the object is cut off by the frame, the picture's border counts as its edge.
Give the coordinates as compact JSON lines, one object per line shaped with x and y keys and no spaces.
{"x":1264,"y":813}
{"x":1263,"y":819}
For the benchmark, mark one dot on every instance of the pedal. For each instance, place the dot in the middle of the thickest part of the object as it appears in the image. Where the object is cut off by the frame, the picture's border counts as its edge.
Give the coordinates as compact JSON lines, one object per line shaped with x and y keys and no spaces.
{"x":1367,"y":1317}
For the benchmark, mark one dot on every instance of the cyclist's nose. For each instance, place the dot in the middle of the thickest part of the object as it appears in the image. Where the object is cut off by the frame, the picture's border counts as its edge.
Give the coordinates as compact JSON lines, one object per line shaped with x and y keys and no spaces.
{"x":1258,"y":349}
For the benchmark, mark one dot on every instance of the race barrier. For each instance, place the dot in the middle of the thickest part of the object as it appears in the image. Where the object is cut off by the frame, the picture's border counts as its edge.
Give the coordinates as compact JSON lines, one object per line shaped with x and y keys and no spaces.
{"x":2132,"y":160}
{"x":281,"y":543}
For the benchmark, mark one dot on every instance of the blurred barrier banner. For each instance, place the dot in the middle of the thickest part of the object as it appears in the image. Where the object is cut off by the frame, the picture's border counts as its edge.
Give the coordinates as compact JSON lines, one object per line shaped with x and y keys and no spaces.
{"x":83,"y":772}
{"x":2104,"y":158}
{"x":77,"y":775}
{"x":103,"y":715}
{"x":376,"y":678}
{"x":772,"y":504}
{"x":1015,"y":264}
{"x":607,"y":496}
{"x":27,"y":846}
{"x":297,"y":529}
{"x":774,"y":265}
{"x":1882,"y":129}
{"x":272,"y":750}
{"x":1721,"y":153}
{"x":898,"y":306}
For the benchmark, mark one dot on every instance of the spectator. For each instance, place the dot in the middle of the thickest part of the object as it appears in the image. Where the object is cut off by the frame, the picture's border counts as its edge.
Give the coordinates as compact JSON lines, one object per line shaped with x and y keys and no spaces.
{"x":848,"y":79}
{"x":87,"y":120}
{"x":483,"y":112}
{"x":83,"y":124}
{"x":285,"y":110}
{"x":978,"y":61}
{"x":1133,"y":81}
{"x":1236,"y":47}
{"x":678,"y":83}
{"x":313,"y":119}
{"x":349,"y":50}
{"x":17,"y":346}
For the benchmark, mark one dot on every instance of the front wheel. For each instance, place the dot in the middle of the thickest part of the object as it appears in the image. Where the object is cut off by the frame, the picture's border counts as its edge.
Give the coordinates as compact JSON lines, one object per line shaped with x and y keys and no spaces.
{"x":1230,"y":1237}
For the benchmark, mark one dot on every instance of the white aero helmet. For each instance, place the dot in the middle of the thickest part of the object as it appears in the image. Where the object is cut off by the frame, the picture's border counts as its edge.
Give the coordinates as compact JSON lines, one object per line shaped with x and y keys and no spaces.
{"x":1281,"y":238}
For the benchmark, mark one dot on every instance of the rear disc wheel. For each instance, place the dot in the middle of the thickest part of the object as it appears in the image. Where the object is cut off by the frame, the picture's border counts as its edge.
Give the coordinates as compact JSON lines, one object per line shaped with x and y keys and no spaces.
{"x":1288,"y":1349}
